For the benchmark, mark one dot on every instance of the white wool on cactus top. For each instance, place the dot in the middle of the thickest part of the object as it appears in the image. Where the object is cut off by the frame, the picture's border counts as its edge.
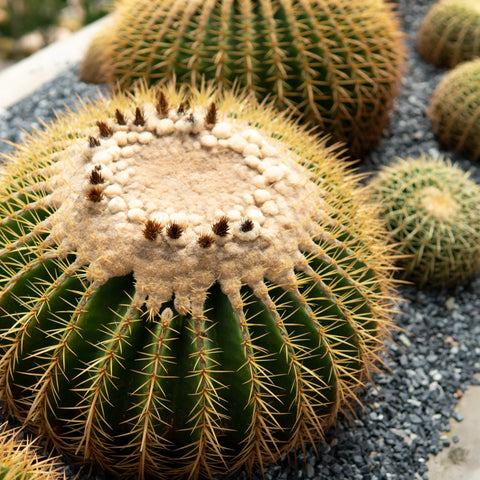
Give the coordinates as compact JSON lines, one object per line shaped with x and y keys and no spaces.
{"x":183,"y":203}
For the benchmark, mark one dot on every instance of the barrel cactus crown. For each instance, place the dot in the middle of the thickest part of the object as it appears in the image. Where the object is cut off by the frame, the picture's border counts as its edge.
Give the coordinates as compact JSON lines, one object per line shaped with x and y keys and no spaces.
{"x":188,"y":286}
{"x":454,"y":110}
{"x":430,"y":207}
{"x":21,"y":460}
{"x":450,"y":33}
{"x":335,"y":63}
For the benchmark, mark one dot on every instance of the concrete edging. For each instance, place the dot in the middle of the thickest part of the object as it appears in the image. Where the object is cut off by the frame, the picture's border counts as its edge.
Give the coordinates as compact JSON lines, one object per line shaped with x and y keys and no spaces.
{"x":26,"y":76}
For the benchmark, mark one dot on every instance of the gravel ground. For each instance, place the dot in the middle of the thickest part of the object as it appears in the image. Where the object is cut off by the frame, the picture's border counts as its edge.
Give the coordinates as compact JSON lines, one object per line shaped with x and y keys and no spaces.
{"x":430,"y":361}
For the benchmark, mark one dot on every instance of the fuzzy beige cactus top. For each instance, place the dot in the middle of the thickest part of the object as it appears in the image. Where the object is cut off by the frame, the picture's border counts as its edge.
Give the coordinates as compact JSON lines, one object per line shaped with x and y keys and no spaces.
{"x":183,"y":197}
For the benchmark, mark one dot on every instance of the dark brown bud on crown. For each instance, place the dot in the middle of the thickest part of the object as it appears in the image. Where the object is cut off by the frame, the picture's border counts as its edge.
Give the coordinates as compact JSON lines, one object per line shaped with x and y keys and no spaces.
{"x":221,"y":227}
{"x":139,"y":118}
{"x":211,"y":116}
{"x":95,"y":194}
{"x":151,"y":229}
{"x":96,"y":178}
{"x":120,"y":117}
{"x":246,"y":226}
{"x":105,"y":130}
{"x":174,"y":231}
{"x":206,"y":240}
{"x":93,"y":142}
{"x":162,"y":105}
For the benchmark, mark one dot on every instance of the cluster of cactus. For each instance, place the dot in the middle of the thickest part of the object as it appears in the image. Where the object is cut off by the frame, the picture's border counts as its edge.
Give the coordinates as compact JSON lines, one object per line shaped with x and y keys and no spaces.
{"x":454,"y":110}
{"x":188,"y":285}
{"x":450,"y":33}
{"x":21,"y":460}
{"x":430,"y":207}
{"x":334,"y":63}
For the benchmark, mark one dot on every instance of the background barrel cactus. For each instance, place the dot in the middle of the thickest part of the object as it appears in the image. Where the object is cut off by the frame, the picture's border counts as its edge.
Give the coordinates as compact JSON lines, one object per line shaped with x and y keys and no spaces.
{"x":450,"y":33}
{"x":431,"y":209}
{"x":187,"y":287}
{"x":20,"y":459}
{"x":336,"y":63}
{"x":454,"y":110}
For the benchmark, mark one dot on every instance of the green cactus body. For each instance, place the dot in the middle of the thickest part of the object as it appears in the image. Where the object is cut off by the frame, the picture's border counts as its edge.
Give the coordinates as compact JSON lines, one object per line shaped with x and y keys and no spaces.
{"x":181,"y":295}
{"x":431,"y":210}
{"x":450,"y":33}
{"x":336,"y":63}
{"x":20,"y":459}
{"x":454,"y":110}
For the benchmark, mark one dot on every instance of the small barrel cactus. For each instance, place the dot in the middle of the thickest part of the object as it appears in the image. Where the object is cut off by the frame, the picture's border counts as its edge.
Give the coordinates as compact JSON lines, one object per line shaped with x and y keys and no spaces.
{"x":454,"y":110}
{"x":336,"y":63}
{"x":187,"y":286}
{"x":450,"y":33}
{"x":21,"y":460}
{"x":431,"y":209}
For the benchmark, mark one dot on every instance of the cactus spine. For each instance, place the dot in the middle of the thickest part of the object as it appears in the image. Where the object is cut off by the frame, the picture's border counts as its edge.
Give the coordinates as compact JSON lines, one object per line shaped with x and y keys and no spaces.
{"x":20,"y":460}
{"x":431,"y":209}
{"x":336,"y":63}
{"x":454,"y":110}
{"x":187,"y":287}
{"x":450,"y":33}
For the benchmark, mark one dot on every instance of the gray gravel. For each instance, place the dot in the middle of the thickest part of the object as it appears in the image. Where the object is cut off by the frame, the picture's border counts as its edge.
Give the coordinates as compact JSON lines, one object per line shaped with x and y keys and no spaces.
{"x":438,"y":352}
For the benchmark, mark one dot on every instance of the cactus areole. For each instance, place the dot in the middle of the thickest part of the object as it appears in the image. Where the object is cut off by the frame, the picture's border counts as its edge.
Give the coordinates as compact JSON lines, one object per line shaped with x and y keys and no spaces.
{"x":186,"y":288}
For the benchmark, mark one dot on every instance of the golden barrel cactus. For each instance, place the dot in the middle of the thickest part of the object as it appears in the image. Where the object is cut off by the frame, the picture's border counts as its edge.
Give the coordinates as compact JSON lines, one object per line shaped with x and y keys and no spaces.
{"x":188,"y":286}
{"x":335,"y":63}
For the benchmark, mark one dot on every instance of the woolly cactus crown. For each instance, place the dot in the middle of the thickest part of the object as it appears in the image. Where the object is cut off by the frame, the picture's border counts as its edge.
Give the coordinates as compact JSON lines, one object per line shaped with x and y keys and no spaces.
{"x":454,"y":110}
{"x":335,"y":63}
{"x":450,"y":33}
{"x":431,"y":209}
{"x":200,"y":285}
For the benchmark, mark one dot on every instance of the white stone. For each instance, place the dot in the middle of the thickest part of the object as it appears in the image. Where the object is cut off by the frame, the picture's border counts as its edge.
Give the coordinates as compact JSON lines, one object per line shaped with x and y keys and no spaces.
{"x":252,"y":161}
{"x":234,"y":215}
{"x":273,"y":174}
{"x":102,"y":157}
{"x":208,"y":140}
{"x":124,"y":177}
{"x":261,"y":196}
{"x":113,"y":190}
{"x":127,"y":152}
{"x":183,"y":126}
{"x":165,"y":126}
{"x":117,"y":204}
{"x":237,"y":143}
{"x":259,"y":181}
{"x":145,"y":137}
{"x":253,"y":136}
{"x":269,"y":208}
{"x":132,"y":137}
{"x":137,"y":215}
{"x":120,"y":138}
{"x":222,"y":130}
{"x":251,"y":149}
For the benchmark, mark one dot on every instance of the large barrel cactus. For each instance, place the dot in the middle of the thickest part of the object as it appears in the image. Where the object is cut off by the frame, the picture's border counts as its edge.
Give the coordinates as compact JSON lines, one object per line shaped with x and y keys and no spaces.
{"x":21,"y":459}
{"x":336,"y":63}
{"x":187,"y":286}
{"x":450,"y":33}
{"x":454,"y":110}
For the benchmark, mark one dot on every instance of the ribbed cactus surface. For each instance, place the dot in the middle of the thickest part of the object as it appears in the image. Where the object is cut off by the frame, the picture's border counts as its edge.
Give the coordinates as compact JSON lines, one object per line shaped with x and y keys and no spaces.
{"x":450,"y":33}
{"x":336,"y":63}
{"x":430,"y":207}
{"x":454,"y":110}
{"x":21,"y":459}
{"x":187,"y":287}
